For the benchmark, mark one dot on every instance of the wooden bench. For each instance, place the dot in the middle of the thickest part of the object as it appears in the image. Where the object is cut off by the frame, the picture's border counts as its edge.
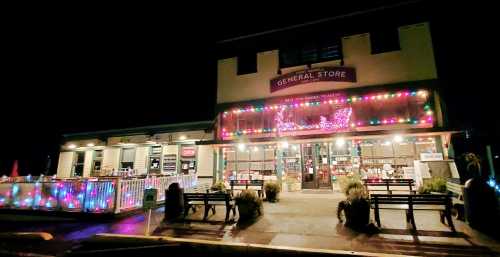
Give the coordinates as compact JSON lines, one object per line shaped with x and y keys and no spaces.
{"x":410,"y":202}
{"x":456,"y":190}
{"x":209,"y":201}
{"x":390,"y":185}
{"x":201,"y":188}
{"x":255,"y":184}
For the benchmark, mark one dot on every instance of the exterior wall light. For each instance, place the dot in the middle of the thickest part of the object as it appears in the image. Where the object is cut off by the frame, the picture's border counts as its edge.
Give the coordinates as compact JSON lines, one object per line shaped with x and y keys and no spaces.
{"x":90,"y":145}
{"x":182,"y":137}
{"x":71,"y":146}
{"x":241,"y":147}
{"x":398,"y":138}
{"x":340,"y":142}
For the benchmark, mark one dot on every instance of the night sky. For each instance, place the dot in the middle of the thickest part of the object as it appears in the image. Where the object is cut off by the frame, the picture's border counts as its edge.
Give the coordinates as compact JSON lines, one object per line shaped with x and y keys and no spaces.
{"x":92,"y":70}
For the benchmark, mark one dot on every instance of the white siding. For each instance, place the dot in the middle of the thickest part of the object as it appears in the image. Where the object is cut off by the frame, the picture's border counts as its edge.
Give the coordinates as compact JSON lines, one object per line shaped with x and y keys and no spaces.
{"x":141,"y":159}
{"x":111,"y":158}
{"x":205,"y":160}
{"x":65,"y":164}
{"x":87,"y":165}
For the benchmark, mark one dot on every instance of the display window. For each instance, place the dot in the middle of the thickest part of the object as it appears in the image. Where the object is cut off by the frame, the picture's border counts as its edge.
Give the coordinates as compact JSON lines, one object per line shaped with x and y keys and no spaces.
{"x":250,"y":162}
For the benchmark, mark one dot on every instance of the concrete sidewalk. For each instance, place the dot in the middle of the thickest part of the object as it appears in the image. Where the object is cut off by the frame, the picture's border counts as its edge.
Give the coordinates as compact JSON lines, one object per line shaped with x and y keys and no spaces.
{"x":307,"y":219}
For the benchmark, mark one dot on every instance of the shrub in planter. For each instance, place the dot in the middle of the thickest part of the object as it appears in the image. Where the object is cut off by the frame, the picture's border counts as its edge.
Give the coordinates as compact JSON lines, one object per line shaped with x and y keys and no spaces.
{"x":272,"y":190}
{"x":219,"y":187}
{"x":346,"y":183}
{"x":436,"y":184}
{"x":249,"y":205}
{"x":356,"y":209}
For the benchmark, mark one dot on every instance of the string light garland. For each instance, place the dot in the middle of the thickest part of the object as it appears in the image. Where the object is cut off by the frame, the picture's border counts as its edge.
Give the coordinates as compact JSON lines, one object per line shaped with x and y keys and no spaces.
{"x":336,"y":123}
{"x":338,"y":100}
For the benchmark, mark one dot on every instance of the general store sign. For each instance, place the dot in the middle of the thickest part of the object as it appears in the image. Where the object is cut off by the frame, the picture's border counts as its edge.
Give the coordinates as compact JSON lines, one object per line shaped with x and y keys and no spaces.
{"x":341,"y":74}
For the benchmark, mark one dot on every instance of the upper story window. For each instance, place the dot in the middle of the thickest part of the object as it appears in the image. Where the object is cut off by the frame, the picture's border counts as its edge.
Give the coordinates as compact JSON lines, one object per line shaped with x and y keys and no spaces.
{"x":310,"y":53}
{"x":247,"y":63}
{"x":384,"y":40}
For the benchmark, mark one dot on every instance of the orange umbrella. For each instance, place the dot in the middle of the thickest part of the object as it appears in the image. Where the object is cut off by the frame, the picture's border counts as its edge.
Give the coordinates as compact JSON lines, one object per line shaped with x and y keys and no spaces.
{"x":14,"y":172}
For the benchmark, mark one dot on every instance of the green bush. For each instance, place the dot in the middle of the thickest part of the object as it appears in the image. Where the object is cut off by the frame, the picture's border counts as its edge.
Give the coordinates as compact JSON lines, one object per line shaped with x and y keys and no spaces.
{"x":347,"y":183}
{"x":249,"y":204}
{"x":436,"y":184}
{"x":272,"y":190}
{"x":439,"y":185}
{"x":219,"y":186}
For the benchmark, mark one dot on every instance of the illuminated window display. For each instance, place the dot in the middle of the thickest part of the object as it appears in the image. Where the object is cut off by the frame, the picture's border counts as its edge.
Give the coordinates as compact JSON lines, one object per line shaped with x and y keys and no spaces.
{"x":328,"y":113}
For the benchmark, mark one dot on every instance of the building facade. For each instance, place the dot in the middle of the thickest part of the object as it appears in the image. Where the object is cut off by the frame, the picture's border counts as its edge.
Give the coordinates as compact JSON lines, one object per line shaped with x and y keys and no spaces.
{"x":162,"y":150}
{"x":303,"y":114}
{"x":307,"y":114}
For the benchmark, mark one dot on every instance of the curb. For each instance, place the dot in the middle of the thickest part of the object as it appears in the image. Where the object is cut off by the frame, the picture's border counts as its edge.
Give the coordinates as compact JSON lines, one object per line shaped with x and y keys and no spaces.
{"x":215,"y":247}
{"x":29,"y":236}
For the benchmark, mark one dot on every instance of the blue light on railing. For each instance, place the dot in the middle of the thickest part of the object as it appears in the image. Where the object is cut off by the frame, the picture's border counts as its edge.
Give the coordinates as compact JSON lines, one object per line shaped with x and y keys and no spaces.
{"x":15,"y":189}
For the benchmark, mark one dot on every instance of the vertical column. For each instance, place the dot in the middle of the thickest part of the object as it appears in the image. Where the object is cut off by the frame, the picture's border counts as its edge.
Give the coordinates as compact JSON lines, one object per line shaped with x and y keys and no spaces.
{"x":279,"y":164}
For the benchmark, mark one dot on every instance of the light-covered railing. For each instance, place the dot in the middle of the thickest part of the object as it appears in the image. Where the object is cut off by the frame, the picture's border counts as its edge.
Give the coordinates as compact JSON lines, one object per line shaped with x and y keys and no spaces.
{"x":110,"y":195}
{"x":130,"y":192}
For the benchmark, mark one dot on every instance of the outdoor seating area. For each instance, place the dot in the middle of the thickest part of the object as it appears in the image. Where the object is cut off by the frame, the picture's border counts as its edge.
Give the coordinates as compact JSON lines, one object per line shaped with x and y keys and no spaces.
{"x":382,"y":196}
{"x":409,"y":203}
{"x":290,"y":223}
{"x":209,"y":201}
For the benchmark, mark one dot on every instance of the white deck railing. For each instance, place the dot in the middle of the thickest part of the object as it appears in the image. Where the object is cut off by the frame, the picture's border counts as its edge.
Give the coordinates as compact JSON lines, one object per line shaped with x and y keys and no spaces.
{"x":110,"y":195}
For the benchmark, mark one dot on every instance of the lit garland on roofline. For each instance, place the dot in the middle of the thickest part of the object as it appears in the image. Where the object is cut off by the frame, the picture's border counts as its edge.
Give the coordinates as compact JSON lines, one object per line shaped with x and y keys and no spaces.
{"x":342,"y":113}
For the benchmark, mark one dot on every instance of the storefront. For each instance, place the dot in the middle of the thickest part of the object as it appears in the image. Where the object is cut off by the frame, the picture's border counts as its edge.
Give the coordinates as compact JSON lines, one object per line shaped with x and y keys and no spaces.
{"x":307,"y":142}
{"x":307,"y":114}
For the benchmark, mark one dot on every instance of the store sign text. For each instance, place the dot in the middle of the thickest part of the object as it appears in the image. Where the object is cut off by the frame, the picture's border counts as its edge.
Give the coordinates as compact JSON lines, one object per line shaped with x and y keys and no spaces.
{"x":341,"y":74}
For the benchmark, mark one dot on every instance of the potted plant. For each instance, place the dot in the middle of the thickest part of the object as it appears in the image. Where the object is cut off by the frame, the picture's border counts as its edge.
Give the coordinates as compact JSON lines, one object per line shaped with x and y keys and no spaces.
{"x":272,"y":190}
{"x":356,"y":207}
{"x":435,"y":185}
{"x":249,"y":205}
{"x":219,"y":187}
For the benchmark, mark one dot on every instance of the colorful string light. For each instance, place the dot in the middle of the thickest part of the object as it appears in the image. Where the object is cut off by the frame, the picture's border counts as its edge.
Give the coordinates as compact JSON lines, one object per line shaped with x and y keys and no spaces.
{"x":337,"y":100}
{"x":336,"y":123}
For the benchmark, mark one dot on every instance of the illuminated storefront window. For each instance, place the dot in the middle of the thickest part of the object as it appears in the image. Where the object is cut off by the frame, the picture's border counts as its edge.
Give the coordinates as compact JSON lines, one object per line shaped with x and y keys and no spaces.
{"x":328,"y":113}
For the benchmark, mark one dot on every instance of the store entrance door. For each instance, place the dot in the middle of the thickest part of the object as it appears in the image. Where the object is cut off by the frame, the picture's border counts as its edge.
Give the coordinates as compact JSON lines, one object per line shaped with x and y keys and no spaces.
{"x":316,"y":168}
{"x":323,"y":166}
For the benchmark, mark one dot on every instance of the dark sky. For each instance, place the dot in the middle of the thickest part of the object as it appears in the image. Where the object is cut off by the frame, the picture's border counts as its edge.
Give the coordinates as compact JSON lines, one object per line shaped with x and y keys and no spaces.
{"x":89,"y":70}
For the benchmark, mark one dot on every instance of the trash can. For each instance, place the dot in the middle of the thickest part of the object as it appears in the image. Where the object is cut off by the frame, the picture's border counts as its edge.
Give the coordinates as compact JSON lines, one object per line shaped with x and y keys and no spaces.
{"x":174,"y":201}
{"x":480,"y":204}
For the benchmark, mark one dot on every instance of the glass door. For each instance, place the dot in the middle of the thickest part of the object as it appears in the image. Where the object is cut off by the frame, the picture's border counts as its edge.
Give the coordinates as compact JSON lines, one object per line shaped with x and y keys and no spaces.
{"x":323,"y":165}
{"x":309,"y":169}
